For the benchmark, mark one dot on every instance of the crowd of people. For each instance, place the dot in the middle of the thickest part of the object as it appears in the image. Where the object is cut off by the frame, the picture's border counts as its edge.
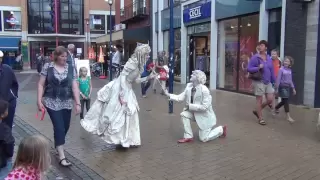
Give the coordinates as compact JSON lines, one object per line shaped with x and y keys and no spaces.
{"x":114,"y":114}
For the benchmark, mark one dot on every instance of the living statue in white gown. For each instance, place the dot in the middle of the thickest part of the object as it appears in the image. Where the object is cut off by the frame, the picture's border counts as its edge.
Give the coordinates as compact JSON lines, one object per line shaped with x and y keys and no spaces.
{"x":114,"y":114}
{"x":198,"y":108}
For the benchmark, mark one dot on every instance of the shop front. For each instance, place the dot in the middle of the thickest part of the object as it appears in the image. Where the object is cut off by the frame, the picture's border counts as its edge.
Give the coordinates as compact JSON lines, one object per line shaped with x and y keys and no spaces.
{"x":238,"y":34}
{"x":196,"y":18}
{"x":46,"y":49}
{"x":237,"y":42}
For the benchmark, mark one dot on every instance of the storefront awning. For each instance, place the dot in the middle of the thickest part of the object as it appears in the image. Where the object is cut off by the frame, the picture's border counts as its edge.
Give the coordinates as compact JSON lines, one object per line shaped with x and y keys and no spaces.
{"x":9,"y":43}
{"x":106,"y":38}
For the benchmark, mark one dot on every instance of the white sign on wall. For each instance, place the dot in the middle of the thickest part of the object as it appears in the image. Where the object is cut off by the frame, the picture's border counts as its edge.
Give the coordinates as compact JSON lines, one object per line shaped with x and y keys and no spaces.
{"x":195,"y":12}
{"x":83,"y":63}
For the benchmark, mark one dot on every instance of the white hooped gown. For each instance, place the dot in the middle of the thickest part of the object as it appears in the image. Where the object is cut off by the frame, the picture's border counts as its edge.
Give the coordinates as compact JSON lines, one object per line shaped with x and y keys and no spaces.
{"x":114,"y":123}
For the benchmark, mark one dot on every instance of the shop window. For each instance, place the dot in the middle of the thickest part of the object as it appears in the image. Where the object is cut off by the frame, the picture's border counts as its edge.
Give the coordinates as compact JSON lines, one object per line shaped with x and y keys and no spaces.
{"x":97,"y":24}
{"x":274,"y":29}
{"x":71,"y":17}
{"x":177,"y":52}
{"x":237,"y":42}
{"x":41,"y":17}
{"x":12,"y":20}
{"x":113,"y":20}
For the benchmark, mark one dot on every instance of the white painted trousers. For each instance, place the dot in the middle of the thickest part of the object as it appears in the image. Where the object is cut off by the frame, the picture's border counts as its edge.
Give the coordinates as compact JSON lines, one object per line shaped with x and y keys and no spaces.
{"x":204,"y":135}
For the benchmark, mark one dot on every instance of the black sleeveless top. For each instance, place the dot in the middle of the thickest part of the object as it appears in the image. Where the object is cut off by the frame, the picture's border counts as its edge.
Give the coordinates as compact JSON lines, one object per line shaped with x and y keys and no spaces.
{"x":59,"y":89}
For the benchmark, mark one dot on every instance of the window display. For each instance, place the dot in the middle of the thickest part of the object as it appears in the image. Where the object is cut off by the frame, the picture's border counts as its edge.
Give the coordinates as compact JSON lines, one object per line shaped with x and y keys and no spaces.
{"x":12,"y":20}
{"x":177,"y":52}
{"x":237,"y":43}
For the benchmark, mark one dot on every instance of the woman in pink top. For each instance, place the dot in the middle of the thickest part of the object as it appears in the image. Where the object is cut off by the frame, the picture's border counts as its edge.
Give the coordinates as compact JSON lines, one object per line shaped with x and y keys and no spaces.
{"x":284,"y":86}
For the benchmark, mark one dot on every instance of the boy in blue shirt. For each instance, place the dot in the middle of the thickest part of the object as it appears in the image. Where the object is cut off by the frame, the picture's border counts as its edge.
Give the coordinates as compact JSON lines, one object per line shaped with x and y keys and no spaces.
{"x":147,"y":71}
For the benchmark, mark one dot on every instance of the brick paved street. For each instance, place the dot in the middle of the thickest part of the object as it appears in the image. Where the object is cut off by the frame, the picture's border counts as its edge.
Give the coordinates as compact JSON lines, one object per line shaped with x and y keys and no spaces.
{"x":250,"y":151}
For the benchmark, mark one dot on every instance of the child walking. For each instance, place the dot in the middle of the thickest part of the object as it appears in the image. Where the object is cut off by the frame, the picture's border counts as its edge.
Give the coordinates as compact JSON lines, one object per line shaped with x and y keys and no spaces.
{"x":6,"y":141}
{"x":85,"y":87}
{"x":284,"y":86}
{"x":33,"y":159}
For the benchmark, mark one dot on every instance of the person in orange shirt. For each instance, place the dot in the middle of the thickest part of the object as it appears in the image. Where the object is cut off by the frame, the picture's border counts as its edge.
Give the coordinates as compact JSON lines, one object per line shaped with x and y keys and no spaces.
{"x":276,"y":62}
{"x":276,"y":66}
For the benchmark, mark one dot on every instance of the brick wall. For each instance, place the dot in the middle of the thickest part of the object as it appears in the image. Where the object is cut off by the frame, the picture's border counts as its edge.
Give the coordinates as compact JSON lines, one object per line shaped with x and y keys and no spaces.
{"x":117,"y":8}
{"x":295,"y":44}
{"x":16,"y":3}
{"x":311,"y":53}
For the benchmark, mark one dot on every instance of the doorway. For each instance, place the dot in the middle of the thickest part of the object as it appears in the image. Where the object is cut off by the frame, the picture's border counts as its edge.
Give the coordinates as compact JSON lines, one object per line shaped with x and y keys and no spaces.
{"x":199,"y":56}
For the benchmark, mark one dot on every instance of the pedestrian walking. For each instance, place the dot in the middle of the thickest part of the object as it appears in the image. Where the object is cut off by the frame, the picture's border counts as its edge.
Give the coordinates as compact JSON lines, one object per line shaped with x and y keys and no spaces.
{"x":6,"y":142}
{"x":71,"y":57}
{"x":40,"y":62}
{"x":262,"y":74}
{"x":285,"y":87}
{"x":33,"y":159}
{"x":160,"y":63}
{"x":85,"y":87}
{"x":58,"y":91}
{"x":276,"y":66}
{"x":9,"y":92}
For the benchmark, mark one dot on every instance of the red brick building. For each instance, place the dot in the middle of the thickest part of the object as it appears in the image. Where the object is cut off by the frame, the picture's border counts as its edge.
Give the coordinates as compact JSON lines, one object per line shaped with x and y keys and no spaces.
{"x":136,"y":15}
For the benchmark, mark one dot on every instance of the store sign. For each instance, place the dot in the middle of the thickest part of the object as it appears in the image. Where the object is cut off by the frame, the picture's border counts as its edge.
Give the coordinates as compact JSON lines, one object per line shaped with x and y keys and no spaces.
{"x":119,"y":27}
{"x":197,"y":13}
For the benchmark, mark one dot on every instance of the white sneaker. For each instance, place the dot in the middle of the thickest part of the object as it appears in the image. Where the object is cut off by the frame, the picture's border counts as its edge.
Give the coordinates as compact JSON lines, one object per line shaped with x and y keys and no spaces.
{"x":291,"y":120}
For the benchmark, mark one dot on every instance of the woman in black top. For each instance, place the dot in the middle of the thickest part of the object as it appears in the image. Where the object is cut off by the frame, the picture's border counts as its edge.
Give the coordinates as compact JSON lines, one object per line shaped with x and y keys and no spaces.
{"x":58,"y":93}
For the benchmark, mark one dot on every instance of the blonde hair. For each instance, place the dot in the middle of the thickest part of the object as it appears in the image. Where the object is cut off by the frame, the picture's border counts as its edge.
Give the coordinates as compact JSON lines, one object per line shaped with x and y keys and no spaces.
{"x":34,"y":151}
{"x":81,"y":69}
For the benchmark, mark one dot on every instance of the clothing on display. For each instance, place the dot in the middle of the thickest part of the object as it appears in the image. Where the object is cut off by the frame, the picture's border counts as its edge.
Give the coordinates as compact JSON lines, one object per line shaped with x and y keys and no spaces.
{"x":201,"y":63}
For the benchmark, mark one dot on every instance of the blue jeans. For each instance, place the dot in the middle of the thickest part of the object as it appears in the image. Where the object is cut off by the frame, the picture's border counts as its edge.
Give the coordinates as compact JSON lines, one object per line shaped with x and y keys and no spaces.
{"x":6,"y":170}
{"x":145,"y":87}
{"x":9,"y":119}
{"x":61,"y":123}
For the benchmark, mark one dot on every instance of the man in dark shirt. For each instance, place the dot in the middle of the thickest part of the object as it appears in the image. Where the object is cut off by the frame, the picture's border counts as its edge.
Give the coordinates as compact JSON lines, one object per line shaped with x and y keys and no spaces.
{"x":8,"y":91}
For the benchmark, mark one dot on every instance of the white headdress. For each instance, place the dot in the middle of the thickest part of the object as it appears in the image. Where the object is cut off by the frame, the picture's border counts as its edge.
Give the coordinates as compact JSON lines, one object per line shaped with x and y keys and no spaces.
{"x":141,"y":53}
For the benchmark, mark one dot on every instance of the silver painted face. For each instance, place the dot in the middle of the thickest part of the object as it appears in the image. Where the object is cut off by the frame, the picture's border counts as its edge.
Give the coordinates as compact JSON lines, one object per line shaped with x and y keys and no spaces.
{"x":193,"y":77}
